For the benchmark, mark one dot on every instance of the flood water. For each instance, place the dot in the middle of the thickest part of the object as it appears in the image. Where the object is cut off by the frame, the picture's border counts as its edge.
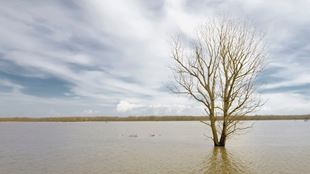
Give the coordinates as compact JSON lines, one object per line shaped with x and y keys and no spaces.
{"x":151,"y":147}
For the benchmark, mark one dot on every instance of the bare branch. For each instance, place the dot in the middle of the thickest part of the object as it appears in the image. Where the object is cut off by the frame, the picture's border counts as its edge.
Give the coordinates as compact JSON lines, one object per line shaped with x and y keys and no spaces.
{"x":219,"y":71}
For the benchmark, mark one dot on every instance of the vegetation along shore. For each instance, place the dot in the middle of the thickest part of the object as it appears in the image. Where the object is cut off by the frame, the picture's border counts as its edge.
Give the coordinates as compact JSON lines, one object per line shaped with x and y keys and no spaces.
{"x":147,"y":118}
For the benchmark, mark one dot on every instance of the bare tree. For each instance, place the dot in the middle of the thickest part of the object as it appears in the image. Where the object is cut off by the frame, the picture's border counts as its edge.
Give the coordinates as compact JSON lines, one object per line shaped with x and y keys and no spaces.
{"x":218,"y":70}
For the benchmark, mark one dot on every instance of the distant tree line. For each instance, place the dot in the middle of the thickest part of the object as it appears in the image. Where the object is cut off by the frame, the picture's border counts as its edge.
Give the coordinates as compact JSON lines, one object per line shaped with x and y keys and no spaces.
{"x":149,"y":118}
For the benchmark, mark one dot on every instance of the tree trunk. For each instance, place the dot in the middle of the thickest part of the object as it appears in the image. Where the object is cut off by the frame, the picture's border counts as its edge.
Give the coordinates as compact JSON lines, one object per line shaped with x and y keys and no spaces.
{"x":214,"y":133}
{"x":213,"y":128}
{"x":223,"y":135}
{"x":222,"y":140}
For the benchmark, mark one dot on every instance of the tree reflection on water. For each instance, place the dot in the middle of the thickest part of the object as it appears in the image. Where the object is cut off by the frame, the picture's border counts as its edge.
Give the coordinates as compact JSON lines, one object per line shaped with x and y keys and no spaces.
{"x":220,"y":160}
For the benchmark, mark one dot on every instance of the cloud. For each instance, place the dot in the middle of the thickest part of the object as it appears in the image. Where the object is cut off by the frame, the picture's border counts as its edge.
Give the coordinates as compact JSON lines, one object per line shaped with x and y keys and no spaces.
{"x":124,"y":106}
{"x":177,"y":108}
{"x":112,"y":57}
{"x":285,"y":103}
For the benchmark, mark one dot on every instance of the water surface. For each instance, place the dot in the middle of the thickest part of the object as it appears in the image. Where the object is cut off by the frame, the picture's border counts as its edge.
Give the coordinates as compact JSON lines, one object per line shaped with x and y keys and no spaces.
{"x":151,"y":147}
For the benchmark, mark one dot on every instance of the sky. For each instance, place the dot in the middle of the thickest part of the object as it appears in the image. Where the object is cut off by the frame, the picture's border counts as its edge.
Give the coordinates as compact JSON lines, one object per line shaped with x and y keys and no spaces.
{"x":101,"y":57}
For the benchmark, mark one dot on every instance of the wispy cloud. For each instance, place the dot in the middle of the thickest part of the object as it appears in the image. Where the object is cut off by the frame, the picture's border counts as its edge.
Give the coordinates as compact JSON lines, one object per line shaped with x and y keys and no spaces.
{"x":112,"y":57}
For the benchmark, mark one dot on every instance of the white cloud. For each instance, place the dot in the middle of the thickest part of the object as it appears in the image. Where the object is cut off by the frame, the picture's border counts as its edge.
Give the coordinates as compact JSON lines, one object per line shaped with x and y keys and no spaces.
{"x":285,"y":103}
{"x":114,"y":53}
{"x":124,"y":106}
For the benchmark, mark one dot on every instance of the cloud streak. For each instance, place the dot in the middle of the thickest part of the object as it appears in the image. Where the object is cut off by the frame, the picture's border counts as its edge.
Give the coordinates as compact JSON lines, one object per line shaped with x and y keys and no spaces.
{"x":111,"y":58}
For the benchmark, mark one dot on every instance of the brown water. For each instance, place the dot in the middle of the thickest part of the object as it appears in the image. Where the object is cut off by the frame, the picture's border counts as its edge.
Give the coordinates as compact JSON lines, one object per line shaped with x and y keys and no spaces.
{"x":151,"y":147}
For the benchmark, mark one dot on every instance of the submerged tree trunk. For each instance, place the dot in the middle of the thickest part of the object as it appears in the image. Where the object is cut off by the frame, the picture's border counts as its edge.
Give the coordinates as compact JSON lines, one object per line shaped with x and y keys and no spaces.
{"x":220,"y":143}
{"x":214,"y":131}
{"x":222,"y":140}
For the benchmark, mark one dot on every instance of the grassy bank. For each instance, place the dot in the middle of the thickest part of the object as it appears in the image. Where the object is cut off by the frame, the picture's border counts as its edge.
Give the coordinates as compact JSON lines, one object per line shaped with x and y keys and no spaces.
{"x":147,"y":118}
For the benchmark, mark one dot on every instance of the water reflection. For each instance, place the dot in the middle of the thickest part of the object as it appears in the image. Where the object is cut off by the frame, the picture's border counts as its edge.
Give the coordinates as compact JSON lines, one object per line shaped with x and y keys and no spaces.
{"x":220,"y":160}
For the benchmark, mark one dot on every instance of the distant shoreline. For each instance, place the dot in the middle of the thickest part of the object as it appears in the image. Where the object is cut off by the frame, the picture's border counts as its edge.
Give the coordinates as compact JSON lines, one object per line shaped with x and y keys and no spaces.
{"x":147,"y":118}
